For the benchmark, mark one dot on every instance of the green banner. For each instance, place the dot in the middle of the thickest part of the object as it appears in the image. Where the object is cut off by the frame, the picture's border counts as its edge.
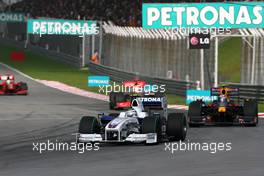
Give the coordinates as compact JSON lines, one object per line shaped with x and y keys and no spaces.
{"x":12,"y":17}
{"x":61,"y":27}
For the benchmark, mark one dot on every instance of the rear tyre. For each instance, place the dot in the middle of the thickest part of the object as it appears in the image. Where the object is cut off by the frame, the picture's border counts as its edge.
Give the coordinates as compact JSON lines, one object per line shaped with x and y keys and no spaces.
{"x":250,"y":112}
{"x":195,"y":113}
{"x":159,"y":94}
{"x":112,"y":100}
{"x":152,"y":124}
{"x":120,"y":97}
{"x":176,"y":126}
{"x":22,"y":86}
{"x":89,"y":125}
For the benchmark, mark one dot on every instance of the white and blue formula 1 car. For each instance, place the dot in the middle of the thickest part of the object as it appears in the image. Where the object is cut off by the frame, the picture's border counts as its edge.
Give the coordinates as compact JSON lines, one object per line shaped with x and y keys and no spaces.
{"x":146,"y":122}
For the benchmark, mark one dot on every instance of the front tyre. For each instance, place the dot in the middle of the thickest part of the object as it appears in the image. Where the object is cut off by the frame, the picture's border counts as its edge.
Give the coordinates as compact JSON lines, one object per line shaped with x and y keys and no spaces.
{"x":195,"y":113}
{"x":152,"y":124}
{"x":112,"y":100}
{"x":176,"y":127}
{"x":23,"y":87}
{"x":89,"y":125}
{"x":250,"y":112}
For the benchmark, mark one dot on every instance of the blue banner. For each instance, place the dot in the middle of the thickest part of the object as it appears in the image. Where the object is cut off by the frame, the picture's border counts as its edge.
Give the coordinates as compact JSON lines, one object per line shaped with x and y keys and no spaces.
{"x":193,"y":95}
{"x":61,"y":27}
{"x":97,"y":81}
{"x":12,"y":17}
{"x":203,"y":15}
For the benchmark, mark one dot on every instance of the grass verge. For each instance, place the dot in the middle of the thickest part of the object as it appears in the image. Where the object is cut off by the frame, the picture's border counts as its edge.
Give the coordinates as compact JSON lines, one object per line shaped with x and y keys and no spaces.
{"x":41,"y":67}
{"x":229,"y":60}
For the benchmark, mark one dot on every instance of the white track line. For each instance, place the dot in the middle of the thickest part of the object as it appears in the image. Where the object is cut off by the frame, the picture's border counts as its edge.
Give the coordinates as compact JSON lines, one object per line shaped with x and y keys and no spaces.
{"x":73,"y":90}
{"x":76,"y":91}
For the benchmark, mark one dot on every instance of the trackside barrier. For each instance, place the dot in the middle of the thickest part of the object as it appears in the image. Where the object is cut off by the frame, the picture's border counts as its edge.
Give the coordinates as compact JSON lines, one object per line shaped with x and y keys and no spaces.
{"x":172,"y":86}
{"x":249,"y":91}
{"x":252,"y":57}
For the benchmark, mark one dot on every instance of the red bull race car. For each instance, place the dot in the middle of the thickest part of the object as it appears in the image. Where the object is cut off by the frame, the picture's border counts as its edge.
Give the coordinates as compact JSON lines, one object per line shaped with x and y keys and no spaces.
{"x":224,"y":109}
{"x":9,"y":87}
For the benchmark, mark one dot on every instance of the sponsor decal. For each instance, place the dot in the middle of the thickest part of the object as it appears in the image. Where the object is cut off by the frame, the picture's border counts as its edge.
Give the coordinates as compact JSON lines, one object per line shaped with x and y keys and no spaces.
{"x":61,"y":27}
{"x":12,"y":17}
{"x":98,"y":81}
{"x":205,"y":95}
{"x":151,"y":138}
{"x":150,"y":99}
{"x":203,"y":15}
{"x":199,"y":41}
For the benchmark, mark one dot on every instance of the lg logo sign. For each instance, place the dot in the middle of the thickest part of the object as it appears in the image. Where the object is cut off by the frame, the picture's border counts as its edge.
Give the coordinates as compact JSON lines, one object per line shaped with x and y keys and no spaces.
{"x":204,"y":41}
{"x":194,"y":40}
{"x":199,"y":41}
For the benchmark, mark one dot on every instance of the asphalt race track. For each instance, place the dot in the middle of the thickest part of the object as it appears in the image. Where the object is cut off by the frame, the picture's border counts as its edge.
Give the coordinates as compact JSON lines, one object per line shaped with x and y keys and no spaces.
{"x":48,"y":114}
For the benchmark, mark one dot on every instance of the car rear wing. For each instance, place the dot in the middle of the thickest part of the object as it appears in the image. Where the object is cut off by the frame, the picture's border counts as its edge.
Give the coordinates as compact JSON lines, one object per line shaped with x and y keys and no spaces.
{"x":3,"y":77}
{"x":227,"y":91}
{"x":152,"y":102}
{"x":6,"y":77}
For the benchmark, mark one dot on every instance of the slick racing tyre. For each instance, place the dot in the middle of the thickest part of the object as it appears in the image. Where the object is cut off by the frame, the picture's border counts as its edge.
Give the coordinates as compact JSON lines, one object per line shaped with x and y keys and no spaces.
{"x":120,"y":97}
{"x":195,"y":113}
{"x":160,"y":94}
{"x":152,"y":124}
{"x":250,"y":111}
{"x":89,"y":125}
{"x":23,"y":86}
{"x":116,"y":97}
{"x":176,"y":127}
{"x":112,"y":100}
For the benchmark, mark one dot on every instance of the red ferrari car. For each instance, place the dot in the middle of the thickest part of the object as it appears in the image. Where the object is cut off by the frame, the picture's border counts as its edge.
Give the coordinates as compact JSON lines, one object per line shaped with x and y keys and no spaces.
{"x":9,"y":87}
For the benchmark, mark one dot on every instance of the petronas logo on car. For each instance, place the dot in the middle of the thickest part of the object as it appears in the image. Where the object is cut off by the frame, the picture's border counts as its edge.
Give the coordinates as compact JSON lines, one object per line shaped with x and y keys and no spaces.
{"x":151,"y":99}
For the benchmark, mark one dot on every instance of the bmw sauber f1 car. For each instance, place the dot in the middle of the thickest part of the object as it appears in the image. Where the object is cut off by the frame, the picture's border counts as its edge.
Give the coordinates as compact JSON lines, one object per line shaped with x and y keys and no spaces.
{"x":133,"y":89}
{"x":224,"y":110}
{"x":146,"y":122}
{"x":9,"y":87}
